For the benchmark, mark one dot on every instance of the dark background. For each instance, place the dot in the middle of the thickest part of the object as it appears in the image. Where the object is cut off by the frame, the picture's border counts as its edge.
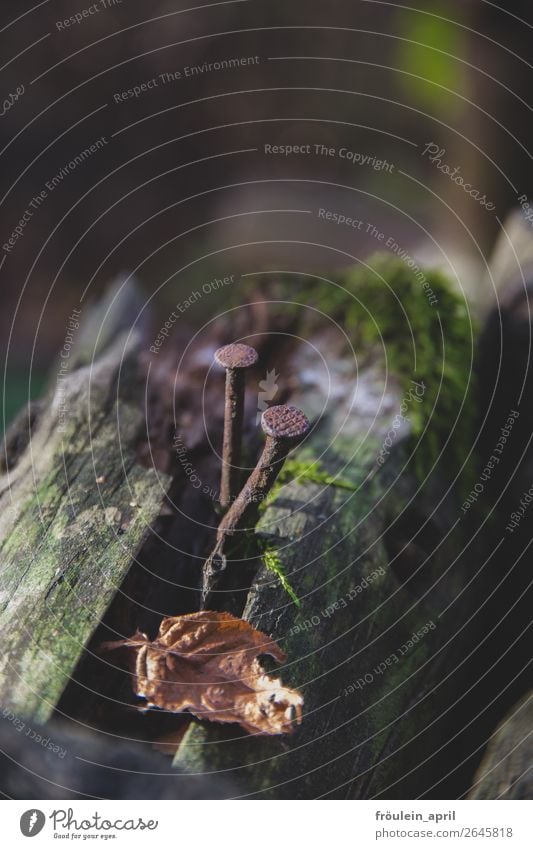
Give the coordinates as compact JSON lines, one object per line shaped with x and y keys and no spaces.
{"x":176,"y":194}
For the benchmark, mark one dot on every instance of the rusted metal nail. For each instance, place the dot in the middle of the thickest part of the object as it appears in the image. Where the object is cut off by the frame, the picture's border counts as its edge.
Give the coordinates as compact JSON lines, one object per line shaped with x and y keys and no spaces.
{"x":235,"y":358}
{"x":284,"y":426}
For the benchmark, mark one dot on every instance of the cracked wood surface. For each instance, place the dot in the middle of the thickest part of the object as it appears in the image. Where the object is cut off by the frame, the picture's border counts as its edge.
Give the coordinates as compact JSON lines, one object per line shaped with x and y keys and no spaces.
{"x":375,"y":696}
{"x":74,"y":509}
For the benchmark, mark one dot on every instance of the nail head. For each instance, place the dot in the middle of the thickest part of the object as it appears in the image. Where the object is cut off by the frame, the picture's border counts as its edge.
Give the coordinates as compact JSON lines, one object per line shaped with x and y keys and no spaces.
{"x":236,"y":355}
{"x":284,"y":422}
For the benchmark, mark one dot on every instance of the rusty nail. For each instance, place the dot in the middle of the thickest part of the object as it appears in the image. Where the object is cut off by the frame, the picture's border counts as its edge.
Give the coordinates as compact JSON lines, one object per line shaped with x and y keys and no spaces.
{"x":235,"y":358}
{"x":284,"y":426}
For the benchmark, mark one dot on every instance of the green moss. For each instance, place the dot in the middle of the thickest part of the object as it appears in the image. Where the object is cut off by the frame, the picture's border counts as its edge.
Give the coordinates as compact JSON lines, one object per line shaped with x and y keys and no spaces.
{"x":272,"y":561}
{"x":423,"y":328}
{"x":313,"y":472}
{"x":310,"y":471}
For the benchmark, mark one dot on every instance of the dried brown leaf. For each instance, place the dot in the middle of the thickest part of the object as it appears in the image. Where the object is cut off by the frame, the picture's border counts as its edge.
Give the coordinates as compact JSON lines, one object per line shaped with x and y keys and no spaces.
{"x":207,"y":663}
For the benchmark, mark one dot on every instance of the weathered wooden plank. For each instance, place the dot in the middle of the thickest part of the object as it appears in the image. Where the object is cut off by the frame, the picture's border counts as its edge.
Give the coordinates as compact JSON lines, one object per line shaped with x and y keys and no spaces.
{"x":506,"y":771}
{"x":74,"y":510}
{"x":352,"y":526}
{"x":360,"y":546}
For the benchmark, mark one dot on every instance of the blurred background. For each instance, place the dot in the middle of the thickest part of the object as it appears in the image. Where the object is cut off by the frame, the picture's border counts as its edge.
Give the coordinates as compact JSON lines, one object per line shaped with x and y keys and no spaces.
{"x":133,"y":140}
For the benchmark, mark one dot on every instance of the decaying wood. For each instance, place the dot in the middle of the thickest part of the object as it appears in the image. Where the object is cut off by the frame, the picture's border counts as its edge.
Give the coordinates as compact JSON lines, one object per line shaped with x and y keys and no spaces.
{"x":368,"y":646}
{"x":506,"y":771}
{"x":506,"y":388}
{"x":74,"y":509}
{"x":378,"y":643}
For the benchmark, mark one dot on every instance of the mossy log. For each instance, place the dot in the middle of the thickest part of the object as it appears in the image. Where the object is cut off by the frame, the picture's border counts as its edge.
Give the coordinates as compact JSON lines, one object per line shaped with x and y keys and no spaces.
{"x":365,"y":542}
{"x":74,"y":508}
{"x":365,"y":548}
{"x":506,"y":771}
